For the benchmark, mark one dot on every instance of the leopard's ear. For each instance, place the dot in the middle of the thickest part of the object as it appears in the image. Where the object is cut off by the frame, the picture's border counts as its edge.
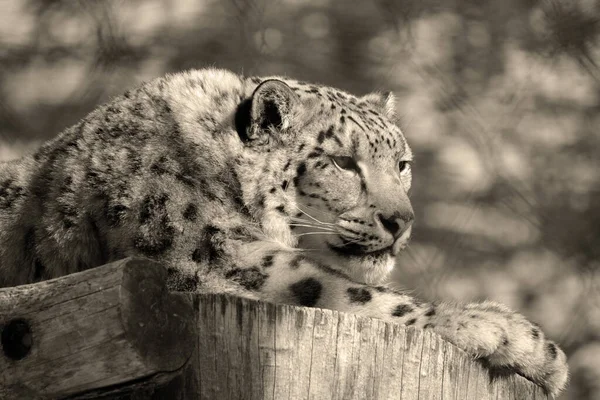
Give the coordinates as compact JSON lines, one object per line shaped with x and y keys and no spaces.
{"x":267,"y":115}
{"x":384,"y":102}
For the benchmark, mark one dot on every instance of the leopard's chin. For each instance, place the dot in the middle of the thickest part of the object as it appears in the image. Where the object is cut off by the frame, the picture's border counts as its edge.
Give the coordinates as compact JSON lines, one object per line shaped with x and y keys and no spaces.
{"x":371,"y":268}
{"x":352,"y":260}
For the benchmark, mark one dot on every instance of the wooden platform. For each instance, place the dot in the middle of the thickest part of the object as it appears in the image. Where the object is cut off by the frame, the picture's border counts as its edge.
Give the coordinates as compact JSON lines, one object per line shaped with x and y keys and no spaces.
{"x":115,"y":331}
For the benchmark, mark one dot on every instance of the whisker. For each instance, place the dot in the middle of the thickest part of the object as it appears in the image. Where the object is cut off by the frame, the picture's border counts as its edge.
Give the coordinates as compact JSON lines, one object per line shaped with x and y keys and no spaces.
{"x":315,"y":233}
{"x":295,"y":205}
{"x":347,"y":242}
{"x":326,"y":229}
{"x":310,"y":216}
{"x":305,"y":222}
{"x":309,"y":208}
{"x":299,"y":250}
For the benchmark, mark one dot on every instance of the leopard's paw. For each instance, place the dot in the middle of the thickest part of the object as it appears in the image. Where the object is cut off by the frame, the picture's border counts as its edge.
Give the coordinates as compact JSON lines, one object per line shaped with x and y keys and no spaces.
{"x":505,"y":340}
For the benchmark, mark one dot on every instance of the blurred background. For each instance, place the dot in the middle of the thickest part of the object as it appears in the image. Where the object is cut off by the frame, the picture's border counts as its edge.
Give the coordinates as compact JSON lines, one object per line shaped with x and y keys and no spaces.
{"x":500,"y":100}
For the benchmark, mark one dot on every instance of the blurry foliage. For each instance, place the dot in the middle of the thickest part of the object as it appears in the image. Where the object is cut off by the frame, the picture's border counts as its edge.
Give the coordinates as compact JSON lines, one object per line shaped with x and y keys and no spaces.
{"x":500,"y":100}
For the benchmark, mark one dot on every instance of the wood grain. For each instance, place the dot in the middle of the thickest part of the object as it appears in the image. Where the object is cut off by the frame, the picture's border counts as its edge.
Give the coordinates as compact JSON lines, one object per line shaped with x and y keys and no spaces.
{"x":251,"y":350}
{"x":93,"y":331}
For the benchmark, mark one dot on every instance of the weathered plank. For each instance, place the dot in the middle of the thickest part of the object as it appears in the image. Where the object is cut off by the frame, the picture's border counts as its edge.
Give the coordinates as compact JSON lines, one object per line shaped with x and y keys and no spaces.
{"x":90,"y":332}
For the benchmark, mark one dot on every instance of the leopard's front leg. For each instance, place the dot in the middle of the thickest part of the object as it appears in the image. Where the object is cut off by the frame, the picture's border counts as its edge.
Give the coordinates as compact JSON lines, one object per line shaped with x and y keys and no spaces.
{"x":502,"y":338}
{"x":488,"y":331}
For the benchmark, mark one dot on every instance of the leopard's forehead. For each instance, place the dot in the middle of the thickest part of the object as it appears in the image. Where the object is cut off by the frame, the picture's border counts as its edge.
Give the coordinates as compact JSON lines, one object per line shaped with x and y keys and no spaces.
{"x":353,"y":122}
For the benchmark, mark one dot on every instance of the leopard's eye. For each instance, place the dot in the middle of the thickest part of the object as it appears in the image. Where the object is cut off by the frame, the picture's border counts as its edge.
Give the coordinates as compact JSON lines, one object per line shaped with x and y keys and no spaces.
{"x":403,"y":166}
{"x":345,"y":163}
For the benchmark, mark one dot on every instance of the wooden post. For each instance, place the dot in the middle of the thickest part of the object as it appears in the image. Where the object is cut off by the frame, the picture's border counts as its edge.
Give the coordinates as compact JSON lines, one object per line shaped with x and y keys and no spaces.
{"x":251,"y":350}
{"x":106,"y":329}
{"x":90,"y":336}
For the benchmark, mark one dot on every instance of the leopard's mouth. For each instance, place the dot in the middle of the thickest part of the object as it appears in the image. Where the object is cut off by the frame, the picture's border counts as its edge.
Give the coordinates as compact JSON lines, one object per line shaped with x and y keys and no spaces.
{"x":349,"y":249}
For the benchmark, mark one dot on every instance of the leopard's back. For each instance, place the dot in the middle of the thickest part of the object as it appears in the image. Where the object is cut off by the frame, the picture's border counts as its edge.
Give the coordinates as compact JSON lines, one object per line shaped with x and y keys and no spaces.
{"x":126,"y":180}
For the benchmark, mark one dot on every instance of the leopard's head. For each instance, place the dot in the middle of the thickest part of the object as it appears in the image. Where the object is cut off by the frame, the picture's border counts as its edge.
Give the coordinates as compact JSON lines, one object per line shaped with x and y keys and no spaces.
{"x":345,"y":172}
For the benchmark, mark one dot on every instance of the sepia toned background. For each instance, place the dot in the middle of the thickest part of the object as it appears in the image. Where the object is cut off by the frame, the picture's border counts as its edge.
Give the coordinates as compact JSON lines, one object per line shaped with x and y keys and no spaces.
{"x":499,"y":99}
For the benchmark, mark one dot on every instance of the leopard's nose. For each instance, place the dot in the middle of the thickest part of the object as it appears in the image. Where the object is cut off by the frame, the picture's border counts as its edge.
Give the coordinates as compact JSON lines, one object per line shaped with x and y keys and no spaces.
{"x":395,"y":224}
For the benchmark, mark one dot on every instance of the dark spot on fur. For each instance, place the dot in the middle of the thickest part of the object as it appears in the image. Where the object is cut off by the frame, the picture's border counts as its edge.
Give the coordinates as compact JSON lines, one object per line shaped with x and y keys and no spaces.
{"x":115,"y":214}
{"x":505,"y":341}
{"x":209,"y":248}
{"x":300,"y":171}
{"x":156,"y":233}
{"x":238,"y":202}
{"x":411,"y":322}
{"x":248,"y":278}
{"x":357,"y":124}
{"x":68,"y":223}
{"x":273,"y":190}
{"x":158,"y":241}
{"x":307,"y":291}
{"x":284,"y":185}
{"x":267,"y":261}
{"x":321,"y":137}
{"x":431,"y":312}
{"x":9,"y":193}
{"x":197,"y":255}
{"x":402,"y":309}
{"x":535,"y":332}
{"x":191,"y":212}
{"x":330,"y":132}
{"x":551,"y":349}
{"x":281,"y":209}
{"x":295,"y":263}
{"x":135,"y":163}
{"x":359,"y":295}
{"x":152,"y":205}
{"x":428,"y":326}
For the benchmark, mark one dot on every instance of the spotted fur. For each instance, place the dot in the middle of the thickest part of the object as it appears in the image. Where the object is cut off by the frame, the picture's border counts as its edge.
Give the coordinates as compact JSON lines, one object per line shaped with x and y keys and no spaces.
{"x":267,"y":188}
